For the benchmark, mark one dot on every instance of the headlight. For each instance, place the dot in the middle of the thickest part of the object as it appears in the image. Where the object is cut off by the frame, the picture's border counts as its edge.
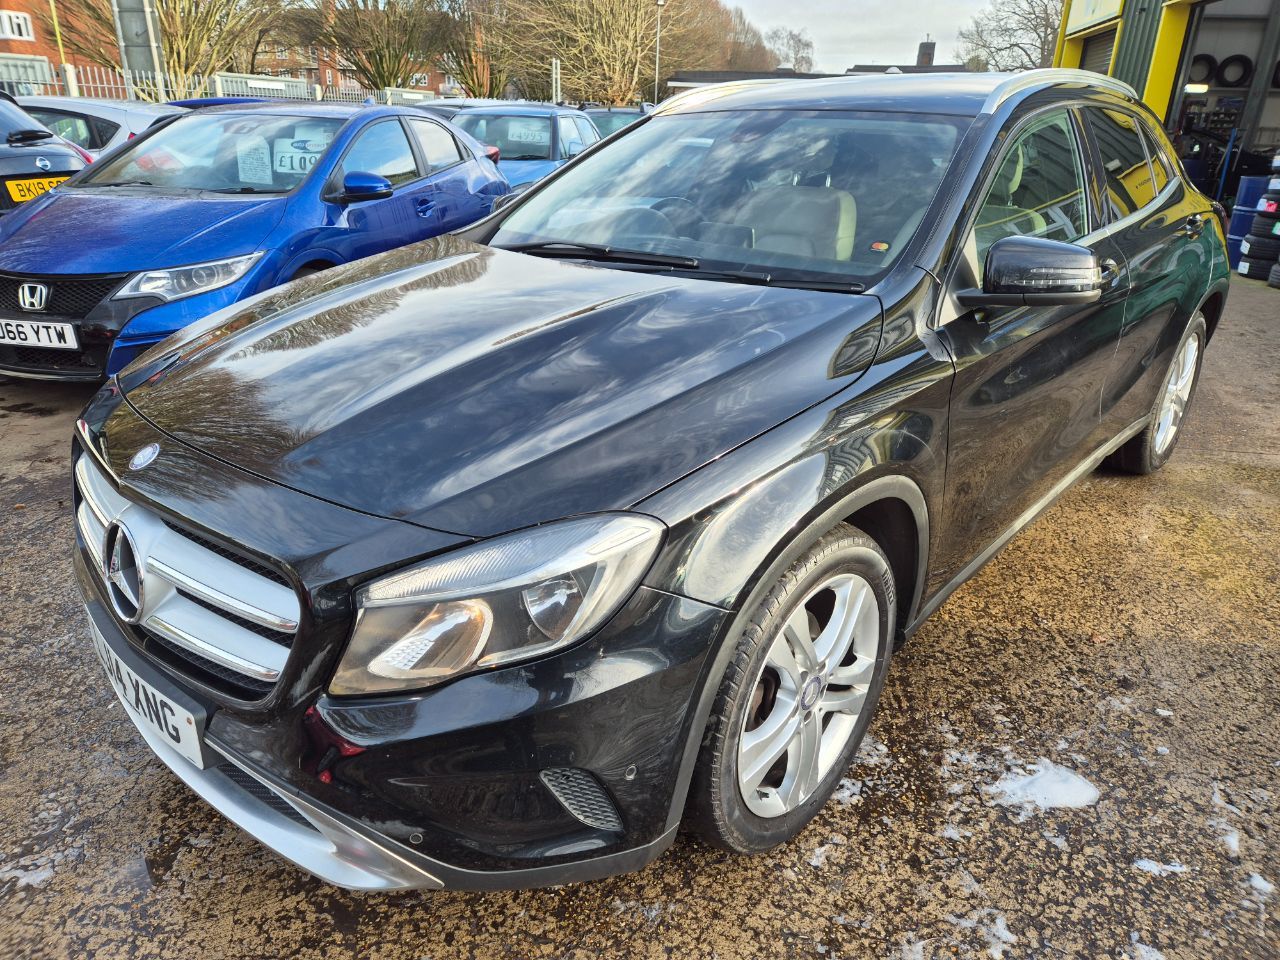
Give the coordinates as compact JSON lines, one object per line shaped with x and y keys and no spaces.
{"x":178,"y":282}
{"x":503,"y":600}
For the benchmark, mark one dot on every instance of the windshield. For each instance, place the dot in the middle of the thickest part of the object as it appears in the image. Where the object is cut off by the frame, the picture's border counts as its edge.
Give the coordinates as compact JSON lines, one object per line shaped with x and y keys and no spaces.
{"x":517,"y":137}
{"x":610,"y":122}
{"x":226,"y":153}
{"x":787,"y":193}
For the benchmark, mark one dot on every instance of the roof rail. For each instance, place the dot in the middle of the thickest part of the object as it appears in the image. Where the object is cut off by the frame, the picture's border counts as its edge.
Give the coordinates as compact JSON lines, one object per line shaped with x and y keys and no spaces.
{"x":1048,"y":76}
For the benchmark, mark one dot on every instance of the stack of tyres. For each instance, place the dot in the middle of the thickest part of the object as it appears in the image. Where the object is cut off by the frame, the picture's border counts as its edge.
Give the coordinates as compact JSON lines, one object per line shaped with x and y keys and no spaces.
{"x":1260,"y":250}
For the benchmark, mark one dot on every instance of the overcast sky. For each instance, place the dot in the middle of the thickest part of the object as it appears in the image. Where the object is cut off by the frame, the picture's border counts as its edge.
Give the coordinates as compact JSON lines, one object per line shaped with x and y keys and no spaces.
{"x":845,"y":32}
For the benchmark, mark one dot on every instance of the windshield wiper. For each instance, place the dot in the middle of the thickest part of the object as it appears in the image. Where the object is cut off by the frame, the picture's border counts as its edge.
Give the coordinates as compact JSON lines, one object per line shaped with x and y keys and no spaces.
{"x":769,"y":280}
{"x":121,"y":183}
{"x":527,"y":156}
{"x":591,"y":251}
{"x":245,"y":190}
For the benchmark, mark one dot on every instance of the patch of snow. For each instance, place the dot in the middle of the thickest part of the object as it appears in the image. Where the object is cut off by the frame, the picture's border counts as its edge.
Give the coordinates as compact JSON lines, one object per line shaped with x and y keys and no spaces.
{"x":1143,"y":952}
{"x":35,"y":877}
{"x":991,"y":925}
{"x":872,"y":753}
{"x":1162,"y":751}
{"x":848,"y":792}
{"x":1058,"y":841}
{"x":1047,"y":787}
{"x":1163,"y":713}
{"x":1229,"y":836}
{"x":1159,"y":869}
{"x":952,"y":832}
{"x":1220,"y":801}
{"x":1261,"y":885}
{"x":913,"y":950}
{"x":818,"y":859}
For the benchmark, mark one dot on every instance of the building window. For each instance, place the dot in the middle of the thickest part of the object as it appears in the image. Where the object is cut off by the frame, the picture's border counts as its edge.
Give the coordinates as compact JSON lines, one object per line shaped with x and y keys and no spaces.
{"x":282,"y":52}
{"x":15,"y":26}
{"x":328,"y":77}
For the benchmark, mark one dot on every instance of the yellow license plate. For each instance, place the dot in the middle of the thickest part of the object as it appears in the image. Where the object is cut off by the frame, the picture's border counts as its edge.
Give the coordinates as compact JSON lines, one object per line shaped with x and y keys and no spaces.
{"x":23,"y":190}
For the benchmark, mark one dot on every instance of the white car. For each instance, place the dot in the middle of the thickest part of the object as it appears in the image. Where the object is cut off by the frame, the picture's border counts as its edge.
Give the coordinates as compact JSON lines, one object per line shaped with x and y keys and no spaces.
{"x":96,"y":126}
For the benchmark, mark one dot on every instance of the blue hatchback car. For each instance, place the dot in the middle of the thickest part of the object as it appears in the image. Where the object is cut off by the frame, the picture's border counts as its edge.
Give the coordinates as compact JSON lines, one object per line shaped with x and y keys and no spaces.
{"x":532,"y":138}
{"x":213,"y":207}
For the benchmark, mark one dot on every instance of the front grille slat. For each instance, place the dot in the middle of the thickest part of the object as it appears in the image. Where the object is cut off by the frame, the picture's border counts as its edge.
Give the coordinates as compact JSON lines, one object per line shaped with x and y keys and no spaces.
{"x":71,"y":297}
{"x":53,"y":361}
{"x":204,"y":609}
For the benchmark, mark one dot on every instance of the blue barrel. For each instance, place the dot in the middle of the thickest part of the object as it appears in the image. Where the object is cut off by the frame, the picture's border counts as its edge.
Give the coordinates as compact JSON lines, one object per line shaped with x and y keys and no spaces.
{"x":1250,"y":189}
{"x":1238,"y":227}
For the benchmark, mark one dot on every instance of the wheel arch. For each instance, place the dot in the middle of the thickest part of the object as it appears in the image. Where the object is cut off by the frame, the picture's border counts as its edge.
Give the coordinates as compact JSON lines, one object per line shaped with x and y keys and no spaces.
{"x":889,"y":508}
{"x":1212,"y":307}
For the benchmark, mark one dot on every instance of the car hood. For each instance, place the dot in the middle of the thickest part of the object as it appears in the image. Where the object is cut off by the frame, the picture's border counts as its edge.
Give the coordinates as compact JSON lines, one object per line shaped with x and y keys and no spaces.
{"x":475,"y":390}
{"x":526,"y":171}
{"x":110,"y":231}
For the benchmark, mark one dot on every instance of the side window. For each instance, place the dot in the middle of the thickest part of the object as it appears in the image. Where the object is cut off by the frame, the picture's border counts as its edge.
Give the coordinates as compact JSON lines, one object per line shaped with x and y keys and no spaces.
{"x":588,"y":133}
{"x":1038,"y":190}
{"x":1130,"y":183}
{"x":1162,"y":168}
{"x":568,"y":135}
{"x":382,"y":149}
{"x":103,"y":131}
{"x":68,"y":126}
{"x":437,"y":146}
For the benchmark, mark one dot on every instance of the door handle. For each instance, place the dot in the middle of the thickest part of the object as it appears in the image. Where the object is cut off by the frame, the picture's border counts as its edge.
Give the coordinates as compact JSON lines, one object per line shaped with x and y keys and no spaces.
{"x":426,"y":207}
{"x":1193,"y":226}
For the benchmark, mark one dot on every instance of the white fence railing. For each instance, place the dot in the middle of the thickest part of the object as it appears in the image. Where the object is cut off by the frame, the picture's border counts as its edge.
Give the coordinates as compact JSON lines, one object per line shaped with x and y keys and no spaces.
{"x":35,"y":76}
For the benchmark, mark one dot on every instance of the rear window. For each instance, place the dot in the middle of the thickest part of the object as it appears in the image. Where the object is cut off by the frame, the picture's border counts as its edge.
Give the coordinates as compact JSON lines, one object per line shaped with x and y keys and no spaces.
{"x":517,"y":137}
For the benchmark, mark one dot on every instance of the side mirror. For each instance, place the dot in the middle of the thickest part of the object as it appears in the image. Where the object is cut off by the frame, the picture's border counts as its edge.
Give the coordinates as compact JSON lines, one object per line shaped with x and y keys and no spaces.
{"x":358,"y":186}
{"x":575,"y":147}
{"x":504,"y":201}
{"x":1035,"y":272}
{"x":492,"y":152}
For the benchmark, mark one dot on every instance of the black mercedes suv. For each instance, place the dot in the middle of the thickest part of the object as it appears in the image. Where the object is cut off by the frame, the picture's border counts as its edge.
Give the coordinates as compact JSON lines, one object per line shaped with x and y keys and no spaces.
{"x":488,"y":561}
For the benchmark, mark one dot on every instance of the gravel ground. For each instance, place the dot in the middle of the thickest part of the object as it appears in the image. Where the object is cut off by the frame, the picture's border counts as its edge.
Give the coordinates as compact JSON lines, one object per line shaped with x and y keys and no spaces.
{"x":1120,"y":655}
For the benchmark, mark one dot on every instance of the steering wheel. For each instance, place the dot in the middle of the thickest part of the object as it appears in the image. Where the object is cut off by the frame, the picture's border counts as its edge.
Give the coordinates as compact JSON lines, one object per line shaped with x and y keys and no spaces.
{"x":683,"y":214}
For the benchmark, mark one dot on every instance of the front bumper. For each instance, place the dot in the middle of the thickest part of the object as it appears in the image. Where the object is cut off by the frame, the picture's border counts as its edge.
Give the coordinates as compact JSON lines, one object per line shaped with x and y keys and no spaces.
{"x":440,"y":797}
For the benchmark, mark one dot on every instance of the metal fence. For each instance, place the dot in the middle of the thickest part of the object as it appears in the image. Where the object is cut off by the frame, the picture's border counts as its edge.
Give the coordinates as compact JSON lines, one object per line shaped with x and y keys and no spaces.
{"x":35,"y":76}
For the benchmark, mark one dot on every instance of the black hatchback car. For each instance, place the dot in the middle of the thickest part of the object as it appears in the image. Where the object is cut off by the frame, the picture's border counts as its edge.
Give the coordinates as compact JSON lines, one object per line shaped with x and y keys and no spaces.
{"x":32,"y":159}
{"x":485,"y":562}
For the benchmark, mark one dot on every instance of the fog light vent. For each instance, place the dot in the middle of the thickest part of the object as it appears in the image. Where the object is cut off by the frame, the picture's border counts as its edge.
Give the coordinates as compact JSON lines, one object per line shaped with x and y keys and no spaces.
{"x":582,"y":795}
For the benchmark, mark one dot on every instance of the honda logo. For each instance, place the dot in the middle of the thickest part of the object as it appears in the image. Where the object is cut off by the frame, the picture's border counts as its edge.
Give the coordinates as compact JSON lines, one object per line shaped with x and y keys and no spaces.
{"x":33,"y":297}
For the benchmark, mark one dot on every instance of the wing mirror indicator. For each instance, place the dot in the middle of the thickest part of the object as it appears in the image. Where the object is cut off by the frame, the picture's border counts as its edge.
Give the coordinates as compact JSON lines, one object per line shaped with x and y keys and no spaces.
{"x":1035,"y":272}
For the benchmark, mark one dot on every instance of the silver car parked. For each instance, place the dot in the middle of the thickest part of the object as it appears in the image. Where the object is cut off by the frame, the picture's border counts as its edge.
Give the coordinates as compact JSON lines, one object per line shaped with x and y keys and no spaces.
{"x":96,"y":126}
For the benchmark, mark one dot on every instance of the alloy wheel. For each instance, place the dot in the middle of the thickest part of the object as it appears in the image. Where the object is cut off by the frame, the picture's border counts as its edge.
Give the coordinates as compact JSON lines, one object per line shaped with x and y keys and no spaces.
{"x":1177,"y":391}
{"x":808,"y":695}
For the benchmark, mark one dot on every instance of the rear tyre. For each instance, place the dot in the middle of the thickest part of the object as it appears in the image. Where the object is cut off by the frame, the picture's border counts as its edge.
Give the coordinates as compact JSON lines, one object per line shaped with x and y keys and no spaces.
{"x":797,"y":697}
{"x":1273,"y":279}
{"x":1151,"y":449}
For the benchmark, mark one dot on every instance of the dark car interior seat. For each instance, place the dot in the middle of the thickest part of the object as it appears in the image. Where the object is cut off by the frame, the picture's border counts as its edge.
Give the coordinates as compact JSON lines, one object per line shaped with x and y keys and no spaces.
{"x":799,"y":220}
{"x":999,"y":216}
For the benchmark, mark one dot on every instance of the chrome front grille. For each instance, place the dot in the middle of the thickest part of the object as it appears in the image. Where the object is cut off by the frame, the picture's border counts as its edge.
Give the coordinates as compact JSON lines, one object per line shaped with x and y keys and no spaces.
{"x":185,"y":592}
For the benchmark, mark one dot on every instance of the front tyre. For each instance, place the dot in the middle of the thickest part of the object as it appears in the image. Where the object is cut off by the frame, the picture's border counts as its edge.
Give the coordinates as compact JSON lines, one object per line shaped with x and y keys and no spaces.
{"x":1151,"y":449}
{"x":797,"y":697}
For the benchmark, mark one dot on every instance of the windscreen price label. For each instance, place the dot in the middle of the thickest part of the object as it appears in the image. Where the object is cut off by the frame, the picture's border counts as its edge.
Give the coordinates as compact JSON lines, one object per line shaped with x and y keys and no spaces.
{"x":298,"y":156}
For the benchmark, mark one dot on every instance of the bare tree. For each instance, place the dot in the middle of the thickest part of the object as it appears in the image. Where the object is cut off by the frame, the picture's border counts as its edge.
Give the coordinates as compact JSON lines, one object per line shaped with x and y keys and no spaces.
{"x":605,"y":47}
{"x":386,"y":42}
{"x":198,"y":37}
{"x":1012,"y":35}
{"x":793,"y":48}
{"x":474,"y":52}
{"x":745,"y":48}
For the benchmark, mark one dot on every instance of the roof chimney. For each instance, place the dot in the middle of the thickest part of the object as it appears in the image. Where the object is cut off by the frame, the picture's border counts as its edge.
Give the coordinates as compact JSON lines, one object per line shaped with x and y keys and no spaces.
{"x":924,"y":56}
